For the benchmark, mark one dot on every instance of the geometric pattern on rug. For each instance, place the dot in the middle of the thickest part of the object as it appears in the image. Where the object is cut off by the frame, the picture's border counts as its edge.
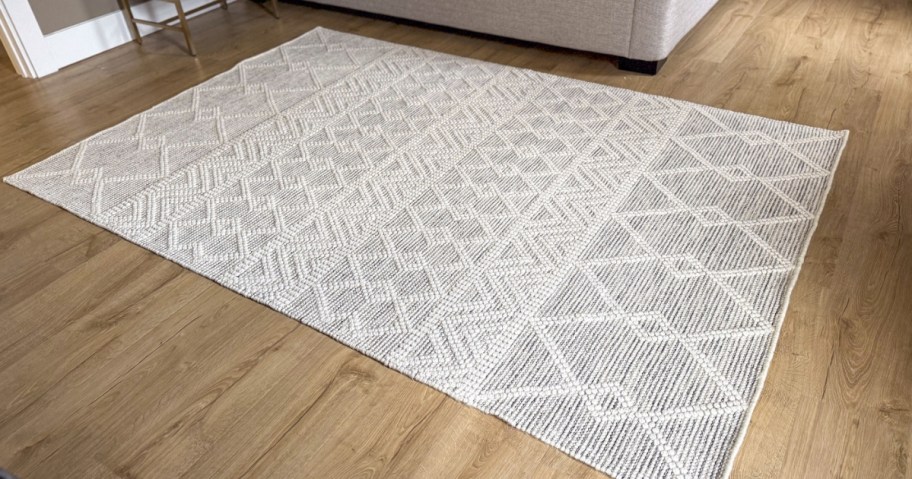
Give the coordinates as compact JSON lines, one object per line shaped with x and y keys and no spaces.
{"x":605,"y":270}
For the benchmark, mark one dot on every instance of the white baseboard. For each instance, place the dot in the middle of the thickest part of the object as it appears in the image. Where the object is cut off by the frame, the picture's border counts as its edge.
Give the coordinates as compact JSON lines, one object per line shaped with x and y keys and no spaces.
{"x":90,"y":38}
{"x":24,"y":40}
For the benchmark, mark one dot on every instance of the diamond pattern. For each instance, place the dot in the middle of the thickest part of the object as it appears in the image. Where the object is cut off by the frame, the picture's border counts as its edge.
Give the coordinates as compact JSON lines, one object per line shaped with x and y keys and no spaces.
{"x":601,"y":268}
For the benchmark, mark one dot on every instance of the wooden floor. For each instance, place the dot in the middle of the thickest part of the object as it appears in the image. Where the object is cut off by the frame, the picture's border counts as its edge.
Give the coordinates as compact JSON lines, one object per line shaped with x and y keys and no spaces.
{"x":117,"y":363}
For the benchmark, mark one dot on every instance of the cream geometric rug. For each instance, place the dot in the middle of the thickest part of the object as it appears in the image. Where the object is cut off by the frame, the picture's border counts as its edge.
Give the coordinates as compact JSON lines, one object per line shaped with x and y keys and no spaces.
{"x":603,"y":269}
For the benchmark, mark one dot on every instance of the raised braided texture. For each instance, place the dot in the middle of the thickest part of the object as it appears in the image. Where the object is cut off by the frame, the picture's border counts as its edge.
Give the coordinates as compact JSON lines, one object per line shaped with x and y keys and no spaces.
{"x":603,"y":269}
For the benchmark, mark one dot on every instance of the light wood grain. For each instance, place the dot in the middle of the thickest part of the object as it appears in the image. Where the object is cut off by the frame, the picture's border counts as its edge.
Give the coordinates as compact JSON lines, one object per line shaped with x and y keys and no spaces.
{"x":115,"y":363}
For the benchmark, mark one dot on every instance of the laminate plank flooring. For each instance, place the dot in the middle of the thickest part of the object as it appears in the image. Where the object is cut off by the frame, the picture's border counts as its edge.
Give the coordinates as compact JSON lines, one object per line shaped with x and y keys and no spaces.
{"x":115,"y":363}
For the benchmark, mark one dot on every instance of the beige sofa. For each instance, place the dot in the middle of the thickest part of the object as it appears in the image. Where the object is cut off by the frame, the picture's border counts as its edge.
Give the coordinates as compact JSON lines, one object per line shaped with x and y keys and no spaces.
{"x":641,"y":32}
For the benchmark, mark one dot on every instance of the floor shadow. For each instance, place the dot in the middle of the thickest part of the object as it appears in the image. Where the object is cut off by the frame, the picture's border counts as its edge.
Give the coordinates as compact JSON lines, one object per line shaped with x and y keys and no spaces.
{"x":5,"y":64}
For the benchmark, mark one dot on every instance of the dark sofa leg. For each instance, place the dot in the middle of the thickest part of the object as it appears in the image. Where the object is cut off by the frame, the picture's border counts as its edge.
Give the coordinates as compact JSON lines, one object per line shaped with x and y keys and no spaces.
{"x":640,"y":66}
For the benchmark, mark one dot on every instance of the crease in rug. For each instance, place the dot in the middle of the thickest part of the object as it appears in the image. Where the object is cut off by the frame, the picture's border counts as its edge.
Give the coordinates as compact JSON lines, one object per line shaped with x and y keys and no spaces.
{"x":603,"y":269}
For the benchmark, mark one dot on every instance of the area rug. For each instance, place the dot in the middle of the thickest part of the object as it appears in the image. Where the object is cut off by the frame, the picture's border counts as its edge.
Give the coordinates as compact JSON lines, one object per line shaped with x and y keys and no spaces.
{"x":603,"y":269}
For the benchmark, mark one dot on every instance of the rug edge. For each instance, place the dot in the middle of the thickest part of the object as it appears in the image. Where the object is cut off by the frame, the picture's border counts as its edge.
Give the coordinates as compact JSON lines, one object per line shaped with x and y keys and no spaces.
{"x":783,"y":313}
{"x":12,"y":180}
{"x":156,"y":104}
{"x":455,"y":395}
{"x":589,"y":82}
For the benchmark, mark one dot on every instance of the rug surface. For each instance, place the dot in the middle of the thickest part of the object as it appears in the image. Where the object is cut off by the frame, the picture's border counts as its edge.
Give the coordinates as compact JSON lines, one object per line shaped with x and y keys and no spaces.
{"x":603,"y":269}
